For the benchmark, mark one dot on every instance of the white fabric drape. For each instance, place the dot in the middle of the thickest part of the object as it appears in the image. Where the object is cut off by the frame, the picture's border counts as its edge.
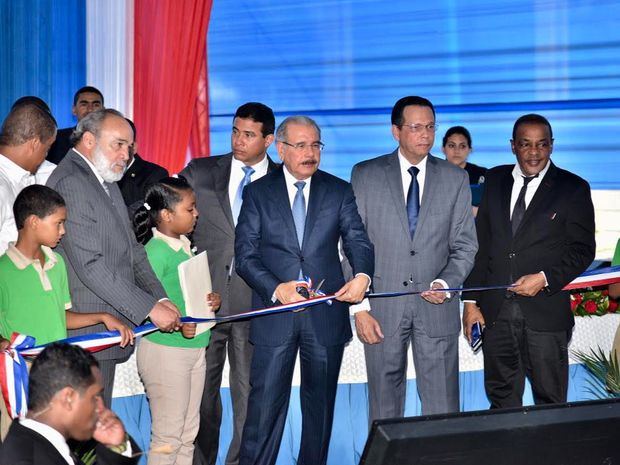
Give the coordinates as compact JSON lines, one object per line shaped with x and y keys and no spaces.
{"x":109,"y":51}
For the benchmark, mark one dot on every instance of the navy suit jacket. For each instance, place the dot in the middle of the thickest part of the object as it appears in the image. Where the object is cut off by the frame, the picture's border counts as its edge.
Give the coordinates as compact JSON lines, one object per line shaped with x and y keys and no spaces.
{"x":268,"y":253}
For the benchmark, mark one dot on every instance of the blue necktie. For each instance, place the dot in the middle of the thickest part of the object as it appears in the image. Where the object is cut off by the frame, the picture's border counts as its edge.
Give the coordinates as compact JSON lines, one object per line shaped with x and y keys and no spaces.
{"x":413,"y":200}
{"x":299,"y":211}
{"x":236,"y":208}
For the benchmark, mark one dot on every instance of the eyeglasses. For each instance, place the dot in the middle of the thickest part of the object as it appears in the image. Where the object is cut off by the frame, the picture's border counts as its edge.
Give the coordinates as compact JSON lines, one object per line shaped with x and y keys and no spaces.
{"x":301,"y":146}
{"x":417,"y":128}
{"x":528,"y":145}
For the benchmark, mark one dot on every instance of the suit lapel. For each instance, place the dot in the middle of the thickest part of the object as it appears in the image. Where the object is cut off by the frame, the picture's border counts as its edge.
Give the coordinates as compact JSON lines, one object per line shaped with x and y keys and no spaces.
{"x":505,"y":194}
{"x":317,"y":192}
{"x":280,"y":198}
{"x":221,"y":178}
{"x":394,"y":181}
{"x":432,"y":181}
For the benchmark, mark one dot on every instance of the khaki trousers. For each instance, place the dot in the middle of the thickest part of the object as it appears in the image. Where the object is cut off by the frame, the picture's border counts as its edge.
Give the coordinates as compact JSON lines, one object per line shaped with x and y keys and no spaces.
{"x":174,"y":379}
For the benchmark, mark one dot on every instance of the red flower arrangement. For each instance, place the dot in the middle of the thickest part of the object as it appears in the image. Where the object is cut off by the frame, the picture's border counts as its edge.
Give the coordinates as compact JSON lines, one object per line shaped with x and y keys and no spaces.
{"x":592,"y":302}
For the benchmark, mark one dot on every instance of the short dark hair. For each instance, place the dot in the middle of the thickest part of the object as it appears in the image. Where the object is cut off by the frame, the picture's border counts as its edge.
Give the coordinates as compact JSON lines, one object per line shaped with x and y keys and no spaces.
{"x":36,"y":200}
{"x":92,"y":123}
{"x":31,"y":99}
{"x":531,"y":118}
{"x":59,"y":366}
{"x":83,"y":90}
{"x":259,"y":113}
{"x":163,"y":195}
{"x":457,"y":130}
{"x":25,"y":122}
{"x":399,"y":107}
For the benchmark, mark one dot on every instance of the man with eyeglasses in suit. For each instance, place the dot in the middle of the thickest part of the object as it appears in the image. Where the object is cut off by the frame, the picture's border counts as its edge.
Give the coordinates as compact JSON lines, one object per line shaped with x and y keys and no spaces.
{"x":289,"y":227}
{"x":417,"y":211}
{"x":536,"y":229}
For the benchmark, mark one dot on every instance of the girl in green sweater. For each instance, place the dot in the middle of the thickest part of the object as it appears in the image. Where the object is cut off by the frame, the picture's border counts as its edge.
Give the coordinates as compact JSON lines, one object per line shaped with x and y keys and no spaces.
{"x":172,"y":365}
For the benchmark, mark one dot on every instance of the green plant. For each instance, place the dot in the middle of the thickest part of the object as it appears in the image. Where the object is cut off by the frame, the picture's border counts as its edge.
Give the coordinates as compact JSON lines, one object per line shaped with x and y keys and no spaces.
{"x":604,"y":373}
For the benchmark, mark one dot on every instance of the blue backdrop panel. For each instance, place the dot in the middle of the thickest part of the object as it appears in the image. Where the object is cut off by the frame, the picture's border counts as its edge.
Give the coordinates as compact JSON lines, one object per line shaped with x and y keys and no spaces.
{"x":42,"y":53}
{"x":483,"y":64}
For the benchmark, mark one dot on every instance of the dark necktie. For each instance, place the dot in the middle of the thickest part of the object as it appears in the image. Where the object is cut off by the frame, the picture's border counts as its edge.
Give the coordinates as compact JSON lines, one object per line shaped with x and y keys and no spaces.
{"x":413,"y":200}
{"x":519,"y":210}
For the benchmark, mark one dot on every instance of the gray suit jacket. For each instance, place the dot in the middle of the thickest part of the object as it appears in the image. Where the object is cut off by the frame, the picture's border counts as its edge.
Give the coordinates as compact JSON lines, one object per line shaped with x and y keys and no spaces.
{"x":444,"y":245}
{"x":108,"y":270}
{"x":215,"y":229}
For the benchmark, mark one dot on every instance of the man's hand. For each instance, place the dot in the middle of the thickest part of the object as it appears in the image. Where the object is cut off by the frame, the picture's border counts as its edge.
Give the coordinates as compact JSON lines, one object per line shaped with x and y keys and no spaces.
{"x":188,"y":330}
{"x":214,"y":300}
{"x":471,"y":315}
{"x":434,"y":297}
{"x":4,"y":344}
{"x":529,"y":285}
{"x":109,"y":430}
{"x":112,"y":323}
{"x":368,"y":329}
{"x":286,"y":293}
{"x":165,"y":315}
{"x":353,"y":291}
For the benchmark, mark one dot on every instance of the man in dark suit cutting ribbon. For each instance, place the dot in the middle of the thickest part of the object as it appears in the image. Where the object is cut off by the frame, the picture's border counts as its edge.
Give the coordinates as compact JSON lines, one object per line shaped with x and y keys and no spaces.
{"x":535,"y":229}
{"x":289,"y":226}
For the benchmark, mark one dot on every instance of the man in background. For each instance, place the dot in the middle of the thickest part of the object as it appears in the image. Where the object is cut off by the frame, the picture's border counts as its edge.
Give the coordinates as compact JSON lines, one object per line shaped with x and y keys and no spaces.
{"x":86,"y":100}
{"x":219,"y":183}
{"x":27,"y":134}
{"x":139,"y":176}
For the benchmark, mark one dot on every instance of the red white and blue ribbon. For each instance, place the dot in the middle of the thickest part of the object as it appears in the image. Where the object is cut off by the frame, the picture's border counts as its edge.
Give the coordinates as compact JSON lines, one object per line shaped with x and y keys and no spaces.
{"x":14,"y":375}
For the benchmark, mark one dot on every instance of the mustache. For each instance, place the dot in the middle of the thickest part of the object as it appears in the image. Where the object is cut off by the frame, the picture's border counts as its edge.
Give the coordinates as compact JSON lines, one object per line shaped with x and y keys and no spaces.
{"x":310,"y":162}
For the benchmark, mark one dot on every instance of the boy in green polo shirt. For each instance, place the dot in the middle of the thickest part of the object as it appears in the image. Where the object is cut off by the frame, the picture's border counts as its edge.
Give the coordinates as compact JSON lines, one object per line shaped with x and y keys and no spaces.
{"x":34,"y":290}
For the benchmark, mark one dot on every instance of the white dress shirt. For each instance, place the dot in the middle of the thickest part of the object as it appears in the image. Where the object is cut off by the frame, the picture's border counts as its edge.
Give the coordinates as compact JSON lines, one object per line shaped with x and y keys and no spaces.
{"x":532,"y":187}
{"x":13,"y":178}
{"x":290,"y":181}
{"x":44,"y":172}
{"x":237,"y":174}
{"x":407,"y":178}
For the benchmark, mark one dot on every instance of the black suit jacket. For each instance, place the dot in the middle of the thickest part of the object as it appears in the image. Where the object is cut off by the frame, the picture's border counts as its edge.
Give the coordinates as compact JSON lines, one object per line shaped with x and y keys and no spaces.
{"x":137,"y":179}
{"x":23,"y":446}
{"x":61,"y":145}
{"x":268,"y":252}
{"x":215,"y":229}
{"x":556,"y":236}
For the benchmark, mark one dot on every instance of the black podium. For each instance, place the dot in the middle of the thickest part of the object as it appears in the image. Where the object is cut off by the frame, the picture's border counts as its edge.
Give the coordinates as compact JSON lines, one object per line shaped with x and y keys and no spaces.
{"x":580,"y":433}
